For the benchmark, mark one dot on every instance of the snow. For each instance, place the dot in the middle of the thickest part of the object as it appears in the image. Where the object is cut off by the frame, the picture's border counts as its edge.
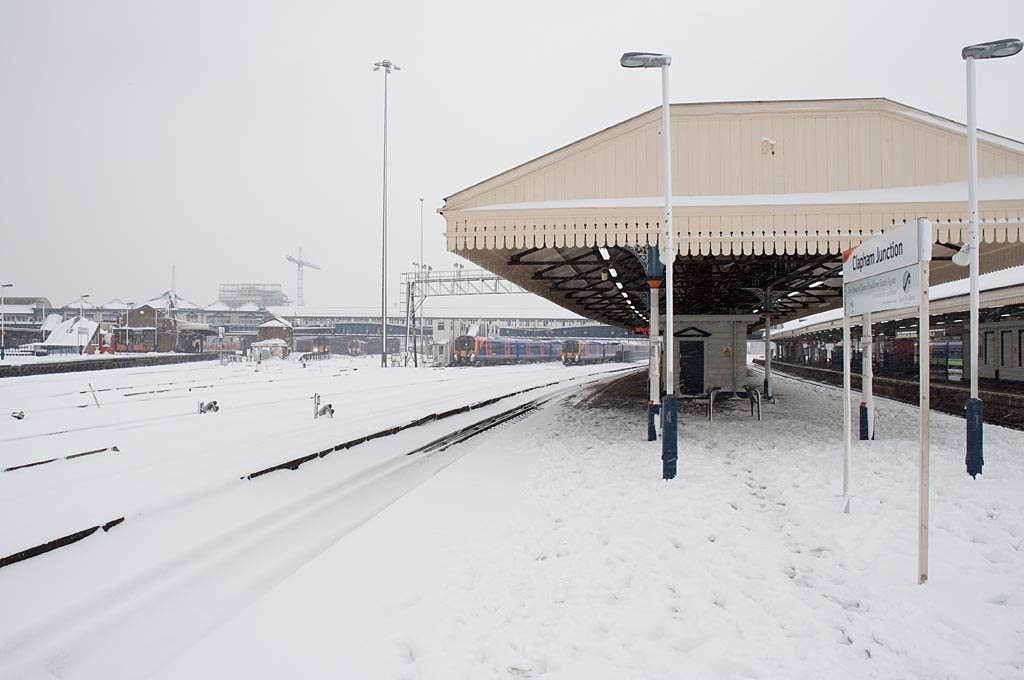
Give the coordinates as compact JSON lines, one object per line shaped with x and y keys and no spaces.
{"x":276,"y":322}
{"x":18,"y":310}
{"x":73,"y":332}
{"x":81,"y":303}
{"x":51,"y":322}
{"x":545,"y":548}
{"x":171,"y":300}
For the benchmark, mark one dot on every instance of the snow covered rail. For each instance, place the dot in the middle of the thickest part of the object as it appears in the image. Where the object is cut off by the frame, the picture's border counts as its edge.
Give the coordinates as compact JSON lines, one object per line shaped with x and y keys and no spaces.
{"x":294,"y":463}
{"x":480,"y":427}
{"x":57,"y":543}
{"x":440,"y":444}
{"x":120,"y":361}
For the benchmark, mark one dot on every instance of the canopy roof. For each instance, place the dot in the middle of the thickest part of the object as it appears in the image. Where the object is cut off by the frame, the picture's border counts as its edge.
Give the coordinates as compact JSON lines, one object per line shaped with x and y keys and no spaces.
{"x":74,"y":332}
{"x":764,"y":194}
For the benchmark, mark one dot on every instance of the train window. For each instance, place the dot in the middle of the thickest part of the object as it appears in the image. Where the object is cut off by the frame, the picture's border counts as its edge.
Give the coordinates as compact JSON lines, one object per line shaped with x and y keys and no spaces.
{"x":440,"y":325}
{"x":1005,"y":347}
{"x":989,"y":340}
{"x":1020,"y":348}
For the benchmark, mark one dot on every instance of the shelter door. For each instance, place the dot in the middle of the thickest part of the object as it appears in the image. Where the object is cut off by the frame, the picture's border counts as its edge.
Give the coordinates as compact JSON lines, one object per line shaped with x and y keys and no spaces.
{"x":691,"y":367}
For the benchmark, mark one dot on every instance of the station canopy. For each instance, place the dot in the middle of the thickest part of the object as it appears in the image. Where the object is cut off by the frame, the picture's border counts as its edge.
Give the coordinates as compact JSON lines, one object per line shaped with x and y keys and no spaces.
{"x":765,"y":195}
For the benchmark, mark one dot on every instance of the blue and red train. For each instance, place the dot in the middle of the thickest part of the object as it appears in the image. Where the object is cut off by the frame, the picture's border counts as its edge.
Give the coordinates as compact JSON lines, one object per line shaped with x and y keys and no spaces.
{"x":479,"y":350}
{"x":486,"y":351}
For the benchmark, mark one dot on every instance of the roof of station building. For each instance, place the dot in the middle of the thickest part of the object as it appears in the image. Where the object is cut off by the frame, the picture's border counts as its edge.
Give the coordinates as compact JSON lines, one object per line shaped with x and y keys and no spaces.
{"x":763,"y":193}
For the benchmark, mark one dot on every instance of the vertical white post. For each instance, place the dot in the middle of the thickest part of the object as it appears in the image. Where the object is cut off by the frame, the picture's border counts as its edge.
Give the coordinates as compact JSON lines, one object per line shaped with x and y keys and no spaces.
{"x":972,"y":216}
{"x":654,"y":368}
{"x":384,"y":239}
{"x":408,"y":316}
{"x":768,"y":356}
{"x":846,"y":409}
{"x":670,"y":248}
{"x":924,"y":236}
{"x":867,"y":372}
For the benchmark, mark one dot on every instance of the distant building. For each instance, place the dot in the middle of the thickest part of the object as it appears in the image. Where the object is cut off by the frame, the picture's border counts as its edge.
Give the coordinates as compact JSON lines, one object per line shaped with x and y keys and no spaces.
{"x":259,"y":294}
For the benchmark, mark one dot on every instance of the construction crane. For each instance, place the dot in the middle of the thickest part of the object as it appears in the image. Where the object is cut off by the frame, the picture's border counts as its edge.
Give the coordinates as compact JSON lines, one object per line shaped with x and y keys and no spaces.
{"x":300,"y":263}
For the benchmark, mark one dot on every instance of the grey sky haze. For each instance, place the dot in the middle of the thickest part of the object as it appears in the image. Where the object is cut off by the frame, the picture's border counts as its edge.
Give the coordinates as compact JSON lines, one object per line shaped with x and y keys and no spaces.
{"x":219,"y":136}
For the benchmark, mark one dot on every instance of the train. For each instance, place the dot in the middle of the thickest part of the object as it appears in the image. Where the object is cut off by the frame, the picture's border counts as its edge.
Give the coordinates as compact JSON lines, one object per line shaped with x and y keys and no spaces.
{"x":472,"y":350}
{"x":581,"y":352}
{"x":946,"y":355}
{"x":356,"y":347}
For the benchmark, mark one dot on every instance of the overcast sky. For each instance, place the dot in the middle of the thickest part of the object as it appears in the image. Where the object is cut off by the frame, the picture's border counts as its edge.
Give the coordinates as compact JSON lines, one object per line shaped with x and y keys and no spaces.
{"x":219,"y":136}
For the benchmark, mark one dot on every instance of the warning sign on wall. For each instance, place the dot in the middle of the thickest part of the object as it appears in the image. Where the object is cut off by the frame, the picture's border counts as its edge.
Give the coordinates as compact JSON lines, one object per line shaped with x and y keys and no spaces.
{"x":727,"y":352}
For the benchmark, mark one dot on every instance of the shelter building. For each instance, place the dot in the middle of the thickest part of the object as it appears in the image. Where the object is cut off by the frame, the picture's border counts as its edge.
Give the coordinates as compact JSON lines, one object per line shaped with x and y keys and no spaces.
{"x":766,"y":196}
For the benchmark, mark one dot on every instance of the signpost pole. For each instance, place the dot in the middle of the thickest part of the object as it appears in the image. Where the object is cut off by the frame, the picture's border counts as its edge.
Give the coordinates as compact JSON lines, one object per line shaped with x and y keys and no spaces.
{"x":924,"y":371}
{"x":846,"y":410}
{"x":880,"y":274}
{"x":654,"y":368}
{"x":867,"y":407}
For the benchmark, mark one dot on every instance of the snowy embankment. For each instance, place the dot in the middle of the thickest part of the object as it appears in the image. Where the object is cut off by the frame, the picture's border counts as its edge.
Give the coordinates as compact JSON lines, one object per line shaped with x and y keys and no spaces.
{"x":554,"y":550}
{"x":199,"y":541}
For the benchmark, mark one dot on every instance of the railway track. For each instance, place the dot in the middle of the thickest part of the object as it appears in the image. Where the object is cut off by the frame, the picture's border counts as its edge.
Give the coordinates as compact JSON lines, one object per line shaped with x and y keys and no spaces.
{"x":443,"y":443}
{"x":243,"y":560}
{"x":1002,"y":407}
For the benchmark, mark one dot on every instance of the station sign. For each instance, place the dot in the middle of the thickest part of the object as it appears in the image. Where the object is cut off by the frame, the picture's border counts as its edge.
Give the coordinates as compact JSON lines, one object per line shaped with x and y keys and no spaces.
{"x":895,"y":249}
{"x":888,"y":272}
{"x":894,"y":289}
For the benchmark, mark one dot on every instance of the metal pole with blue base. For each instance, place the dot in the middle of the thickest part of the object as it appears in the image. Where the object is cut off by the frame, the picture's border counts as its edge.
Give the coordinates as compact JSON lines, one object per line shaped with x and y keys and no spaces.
{"x":975,"y":449}
{"x":670,"y":437}
{"x":669,"y":444}
{"x":995,"y":49}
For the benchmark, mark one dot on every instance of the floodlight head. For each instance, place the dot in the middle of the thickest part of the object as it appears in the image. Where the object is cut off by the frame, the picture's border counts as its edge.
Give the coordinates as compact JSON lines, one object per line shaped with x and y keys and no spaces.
{"x":962,"y":257}
{"x":1007,"y":47}
{"x":644,"y":60}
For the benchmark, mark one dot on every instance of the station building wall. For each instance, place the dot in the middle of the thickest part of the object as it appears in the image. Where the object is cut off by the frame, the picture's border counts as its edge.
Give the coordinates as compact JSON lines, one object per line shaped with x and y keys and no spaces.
{"x":722,"y":352}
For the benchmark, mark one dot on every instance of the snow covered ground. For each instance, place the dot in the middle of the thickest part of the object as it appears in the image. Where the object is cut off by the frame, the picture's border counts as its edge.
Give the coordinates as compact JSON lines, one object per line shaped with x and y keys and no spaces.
{"x":546,"y":548}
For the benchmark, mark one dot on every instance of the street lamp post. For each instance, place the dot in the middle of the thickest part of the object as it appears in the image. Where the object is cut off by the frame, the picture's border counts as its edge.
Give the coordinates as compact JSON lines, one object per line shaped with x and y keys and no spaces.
{"x":975,"y":412}
{"x":81,"y":319}
{"x":669,"y":441}
{"x":387,"y":66}
{"x":127,"y":332}
{"x":3,"y":322}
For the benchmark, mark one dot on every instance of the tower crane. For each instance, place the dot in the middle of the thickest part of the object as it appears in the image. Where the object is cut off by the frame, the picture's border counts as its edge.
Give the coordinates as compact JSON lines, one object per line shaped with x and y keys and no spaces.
{"x":300,"y":263}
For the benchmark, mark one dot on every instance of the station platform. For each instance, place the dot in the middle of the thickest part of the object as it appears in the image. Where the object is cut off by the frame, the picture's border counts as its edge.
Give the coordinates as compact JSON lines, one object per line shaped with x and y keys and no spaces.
{"x":630,"y":393}
{"x":554,"y":549}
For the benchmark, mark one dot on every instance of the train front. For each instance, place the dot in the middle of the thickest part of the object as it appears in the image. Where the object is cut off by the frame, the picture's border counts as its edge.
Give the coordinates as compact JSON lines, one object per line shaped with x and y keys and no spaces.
{"x":465,"y":350}
{"x":571,"y":352}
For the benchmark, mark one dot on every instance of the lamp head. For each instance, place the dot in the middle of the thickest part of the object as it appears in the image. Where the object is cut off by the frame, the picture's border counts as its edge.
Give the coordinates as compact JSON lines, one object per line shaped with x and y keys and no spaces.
{"x":644,"y":60}
{"x":1007,"y":47}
